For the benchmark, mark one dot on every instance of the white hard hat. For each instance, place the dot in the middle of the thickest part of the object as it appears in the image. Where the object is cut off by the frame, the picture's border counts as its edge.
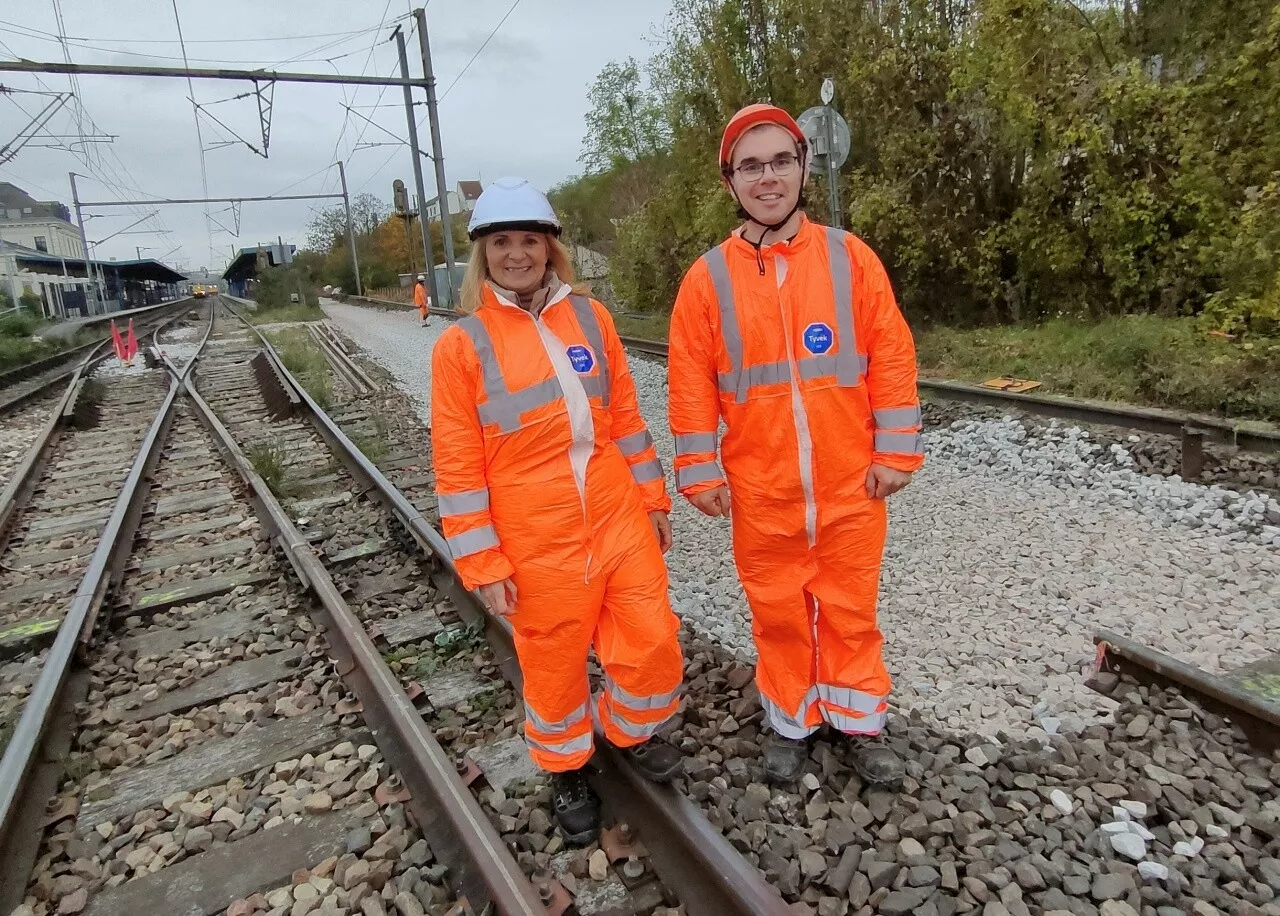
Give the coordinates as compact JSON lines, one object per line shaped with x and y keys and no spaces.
{"x":512,"y":203}
{"x":422,"y":276}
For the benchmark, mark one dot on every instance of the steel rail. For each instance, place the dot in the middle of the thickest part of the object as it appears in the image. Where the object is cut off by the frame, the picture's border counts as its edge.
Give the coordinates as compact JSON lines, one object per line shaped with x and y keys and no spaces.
{"x":1119,"y":655}
{"x":456,"y":827}
{"x":20,"y":807}
{"x":695,"y":861}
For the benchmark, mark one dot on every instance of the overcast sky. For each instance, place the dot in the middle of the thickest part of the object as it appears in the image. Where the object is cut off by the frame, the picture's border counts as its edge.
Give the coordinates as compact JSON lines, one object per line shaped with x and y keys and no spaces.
{"x":518,"y":109}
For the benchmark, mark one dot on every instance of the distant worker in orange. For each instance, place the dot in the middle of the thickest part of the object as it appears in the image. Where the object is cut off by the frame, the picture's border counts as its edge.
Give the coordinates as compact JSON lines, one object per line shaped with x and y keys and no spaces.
{"x":788,"y":332}
{"x":552,"y":499}
{"x":420,"y":299}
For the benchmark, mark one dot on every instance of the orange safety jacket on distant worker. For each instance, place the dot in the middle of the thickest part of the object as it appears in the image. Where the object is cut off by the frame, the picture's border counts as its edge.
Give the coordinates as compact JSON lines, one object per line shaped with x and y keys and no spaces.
{"x":803,"y":353}
{"x":545,"y":473}
{"x":420,"y":298}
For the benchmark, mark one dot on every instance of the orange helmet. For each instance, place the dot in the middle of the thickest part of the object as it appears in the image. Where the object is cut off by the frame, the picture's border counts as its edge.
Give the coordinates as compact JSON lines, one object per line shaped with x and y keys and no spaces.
{"x":754,"y":116}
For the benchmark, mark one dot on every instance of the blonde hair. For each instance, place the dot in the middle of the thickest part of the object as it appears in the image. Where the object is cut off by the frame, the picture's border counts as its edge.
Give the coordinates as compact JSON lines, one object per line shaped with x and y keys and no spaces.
{"x":477,"y":273}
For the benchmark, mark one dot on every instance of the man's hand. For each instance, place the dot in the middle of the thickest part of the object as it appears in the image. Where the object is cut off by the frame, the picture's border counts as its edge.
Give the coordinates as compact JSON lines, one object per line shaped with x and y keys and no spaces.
{"x":661,"y":528}
{"x":499,"y":597}
{"x":883,"y":481}
{"x":712,"y":502}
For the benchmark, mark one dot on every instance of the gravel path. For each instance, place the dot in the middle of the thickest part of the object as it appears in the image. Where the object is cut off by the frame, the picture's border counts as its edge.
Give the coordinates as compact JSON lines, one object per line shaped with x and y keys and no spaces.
{"x":396,"y":342}
{"x":1006,"y":553}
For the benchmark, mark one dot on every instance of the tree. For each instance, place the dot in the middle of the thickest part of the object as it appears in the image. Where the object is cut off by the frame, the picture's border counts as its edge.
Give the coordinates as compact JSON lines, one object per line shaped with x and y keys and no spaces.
{"x":624,"y":123}
{"x":328,"y":228}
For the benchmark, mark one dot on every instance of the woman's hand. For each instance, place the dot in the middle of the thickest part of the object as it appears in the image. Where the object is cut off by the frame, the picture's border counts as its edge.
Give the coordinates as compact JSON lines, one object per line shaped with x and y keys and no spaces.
{"x":499,"y":597}
{"x":661,"y":528}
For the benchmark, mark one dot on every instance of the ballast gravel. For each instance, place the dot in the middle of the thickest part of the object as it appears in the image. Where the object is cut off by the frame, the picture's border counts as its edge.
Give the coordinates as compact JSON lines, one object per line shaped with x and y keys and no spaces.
{"x":1009,"y":550}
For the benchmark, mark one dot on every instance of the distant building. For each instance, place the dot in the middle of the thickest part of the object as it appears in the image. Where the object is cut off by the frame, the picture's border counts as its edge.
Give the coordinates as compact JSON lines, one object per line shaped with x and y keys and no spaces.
{"x":242,"y":272}
{"x":461,"y":200}
{"x":41,"y":225}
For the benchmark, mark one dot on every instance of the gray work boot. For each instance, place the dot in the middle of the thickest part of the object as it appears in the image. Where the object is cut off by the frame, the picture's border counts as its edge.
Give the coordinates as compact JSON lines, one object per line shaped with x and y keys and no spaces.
{"x":784,"y":757}
{"x":876,"y":762}
{"x":656,"y":760}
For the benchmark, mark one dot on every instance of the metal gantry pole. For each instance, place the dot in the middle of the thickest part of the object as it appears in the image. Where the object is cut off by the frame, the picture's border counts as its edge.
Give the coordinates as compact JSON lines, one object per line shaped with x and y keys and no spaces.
{"x":84,"y":243}
{"x":351,"y":232}
{"x":833,"y":192}
{"x":437,"y":155}
{"x":417,"y":172}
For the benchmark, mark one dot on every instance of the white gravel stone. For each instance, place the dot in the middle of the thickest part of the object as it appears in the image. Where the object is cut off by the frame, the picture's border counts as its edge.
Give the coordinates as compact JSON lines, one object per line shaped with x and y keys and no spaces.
{"x":1190,"y":848}
{"x":1153,"y":871}
{"x":1135,"y":808}
{"x":1129,"y":845}
{"x":1006,"y":554}
{"x":1062,"y":801}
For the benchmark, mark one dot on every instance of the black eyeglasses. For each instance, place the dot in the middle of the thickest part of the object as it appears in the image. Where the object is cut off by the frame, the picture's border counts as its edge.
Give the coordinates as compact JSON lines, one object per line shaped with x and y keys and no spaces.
{"x":782,"y":164}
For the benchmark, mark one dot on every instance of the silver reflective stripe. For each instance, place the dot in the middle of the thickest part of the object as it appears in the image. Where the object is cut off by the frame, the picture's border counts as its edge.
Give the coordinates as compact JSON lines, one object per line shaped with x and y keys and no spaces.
{"x":504,"y":407}
{"x":848,"y":698}
{"x":698,"y":473}
{"x":900,"y":443}
{"x":848,"y":371}
{"x":897,"y":417}
{"x":646,"y":471}
{"x":473,"y":541}
{"x":596,"y":386}
{"x":591,"y":330}
{"x":730,"y":333}
{"x":462,"y":503}
{"x":695,"y":442}
{"x":644,"y":730}
{"x":784,"y":723}
{"x":856,"y":725}
{"x":570,"y":746}
{"x":564,"y":724}
{"x":815,"y":367}
{"x":640,"y":704}
{"x":635,"y":443}
{"x":740,"y":380}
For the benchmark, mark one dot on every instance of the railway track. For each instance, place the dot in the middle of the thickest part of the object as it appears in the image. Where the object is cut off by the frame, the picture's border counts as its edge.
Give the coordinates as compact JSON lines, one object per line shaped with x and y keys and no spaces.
{"x":20,"y":384}
{"x":280,"y":700}
{"x":458,"y":665}
{"x":235,"y":741}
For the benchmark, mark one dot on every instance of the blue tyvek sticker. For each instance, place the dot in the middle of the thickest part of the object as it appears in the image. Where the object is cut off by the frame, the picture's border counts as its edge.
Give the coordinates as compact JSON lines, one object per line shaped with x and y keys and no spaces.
{"x":818,"y":338}
{"x":581,"y":358}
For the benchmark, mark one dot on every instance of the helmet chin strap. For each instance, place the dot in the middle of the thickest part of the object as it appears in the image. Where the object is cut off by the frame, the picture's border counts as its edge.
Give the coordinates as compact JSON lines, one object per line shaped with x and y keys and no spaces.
{"x":744,"y":213}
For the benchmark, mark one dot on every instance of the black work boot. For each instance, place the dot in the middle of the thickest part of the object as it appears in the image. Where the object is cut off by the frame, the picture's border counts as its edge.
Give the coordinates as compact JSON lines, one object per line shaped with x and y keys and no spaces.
{"x":876,"y":762}
{"x":656,"y":760}
{"x":784,"y":757}
{"x":576,"y":806}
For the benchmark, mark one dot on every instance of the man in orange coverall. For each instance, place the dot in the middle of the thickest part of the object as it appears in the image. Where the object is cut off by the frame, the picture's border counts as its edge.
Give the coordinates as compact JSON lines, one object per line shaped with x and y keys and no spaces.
{"x":552,"y":499}
{"x":789,"y":332}
{"x":420,"y":299}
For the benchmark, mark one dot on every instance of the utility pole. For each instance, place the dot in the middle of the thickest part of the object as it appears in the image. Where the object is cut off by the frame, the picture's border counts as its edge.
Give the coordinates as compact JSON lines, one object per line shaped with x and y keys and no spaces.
{"x":446,"y":227}
{"x":84,"y":243}
{"x":417,"y":171}
{"x":351,"y":232}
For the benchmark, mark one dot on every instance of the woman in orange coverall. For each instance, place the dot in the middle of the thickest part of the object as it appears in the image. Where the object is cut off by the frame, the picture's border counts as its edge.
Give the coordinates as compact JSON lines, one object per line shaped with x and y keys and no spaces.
{"x":552,"y":498}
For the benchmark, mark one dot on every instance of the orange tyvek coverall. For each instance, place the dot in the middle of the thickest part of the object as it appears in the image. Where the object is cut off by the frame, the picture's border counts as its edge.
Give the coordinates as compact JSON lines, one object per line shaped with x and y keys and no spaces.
{"x":545,"y":473}
{"x":420,"y":298}
{"x":812,"y":368}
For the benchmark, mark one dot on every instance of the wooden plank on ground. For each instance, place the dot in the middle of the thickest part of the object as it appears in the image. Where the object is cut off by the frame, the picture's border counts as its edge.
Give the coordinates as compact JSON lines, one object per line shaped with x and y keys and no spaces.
{"x":41,"y":587}
{"x":369,"y":548}
{"x":208,"y":524}
{"x":237,"y":678}
{"x":168,"y":596}
{"x":18,"y":639}
{"x":198,"y":554}
{"x":410,"y":627}
{"x":163,"y":640}
{"x":191,"y":502}
{"x":65,"y":524}
{"x":98,"y":495}
{"x":210,"y":882}
{"x":193,"y":480}
{"x":419,"y":480}
{"x":209,"y":764}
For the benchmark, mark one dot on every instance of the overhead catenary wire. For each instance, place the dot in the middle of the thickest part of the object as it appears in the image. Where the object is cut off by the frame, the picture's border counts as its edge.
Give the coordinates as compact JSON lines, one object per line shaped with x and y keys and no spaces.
{"x":195,"y":112}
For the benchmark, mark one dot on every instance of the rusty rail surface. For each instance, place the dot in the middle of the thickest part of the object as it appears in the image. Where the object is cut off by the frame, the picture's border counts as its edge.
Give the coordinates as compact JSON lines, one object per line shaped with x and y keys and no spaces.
{"x":693,"y":859}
